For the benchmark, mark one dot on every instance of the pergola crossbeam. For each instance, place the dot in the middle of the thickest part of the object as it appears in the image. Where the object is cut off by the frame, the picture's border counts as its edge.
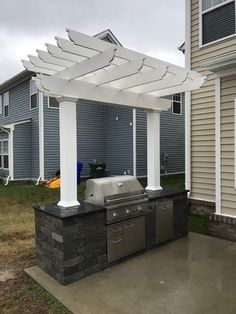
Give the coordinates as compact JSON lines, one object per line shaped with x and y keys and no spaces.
{"x":84,"y":90}
{"x":28,"y":65}
{"x":45,"y":65}
{"x":46,"y":57}
{"x":95,"y":63}
{"x":57,"y":52}
{"x":126,"y":70}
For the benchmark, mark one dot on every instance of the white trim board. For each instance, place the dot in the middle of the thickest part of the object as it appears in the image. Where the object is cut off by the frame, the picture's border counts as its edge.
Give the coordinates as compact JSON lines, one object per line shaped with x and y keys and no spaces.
{"x":134,"y":144}
{"x":218,"y":144}
{"x":41,"y":136}
{"x":188,"y":97}
{"x":235,"y":143}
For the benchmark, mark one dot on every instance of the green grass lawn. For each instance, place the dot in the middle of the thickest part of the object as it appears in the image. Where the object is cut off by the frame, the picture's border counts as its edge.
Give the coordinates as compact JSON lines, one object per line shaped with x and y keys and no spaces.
{"x":20,"y":294}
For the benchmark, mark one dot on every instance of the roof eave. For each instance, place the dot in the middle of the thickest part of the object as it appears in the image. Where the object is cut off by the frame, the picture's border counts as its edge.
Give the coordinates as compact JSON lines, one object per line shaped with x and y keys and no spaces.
{"x":16,"y":80}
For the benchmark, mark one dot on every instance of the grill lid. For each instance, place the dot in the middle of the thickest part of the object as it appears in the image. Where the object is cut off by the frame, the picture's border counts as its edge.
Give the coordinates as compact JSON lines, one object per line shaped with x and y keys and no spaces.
{"x":110,"y":190}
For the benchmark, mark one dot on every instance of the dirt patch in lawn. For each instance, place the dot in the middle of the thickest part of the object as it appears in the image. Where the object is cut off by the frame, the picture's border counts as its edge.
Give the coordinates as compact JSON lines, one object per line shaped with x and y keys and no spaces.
{"x":19,"y":293}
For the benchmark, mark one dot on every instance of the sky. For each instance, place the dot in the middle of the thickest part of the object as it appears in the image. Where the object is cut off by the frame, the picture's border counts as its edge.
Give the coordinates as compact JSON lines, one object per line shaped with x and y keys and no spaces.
{"x":153,"y":27}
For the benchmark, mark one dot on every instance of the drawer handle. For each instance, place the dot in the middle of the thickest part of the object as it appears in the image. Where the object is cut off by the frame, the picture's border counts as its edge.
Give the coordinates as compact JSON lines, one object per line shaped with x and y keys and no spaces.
{"x":117,"y":241}
{"x":116,"y":229}
{"x":129,"y":226}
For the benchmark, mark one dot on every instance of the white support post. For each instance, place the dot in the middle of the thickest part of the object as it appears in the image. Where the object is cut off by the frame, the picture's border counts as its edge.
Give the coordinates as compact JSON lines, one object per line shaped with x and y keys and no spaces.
{"x":153,"y":150}
{"x":68,"y":152}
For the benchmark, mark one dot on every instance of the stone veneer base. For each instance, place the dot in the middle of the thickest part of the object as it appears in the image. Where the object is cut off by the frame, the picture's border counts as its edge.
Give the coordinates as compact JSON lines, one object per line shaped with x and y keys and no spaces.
{"x":72,"y":243}
{"x":220,"y":226}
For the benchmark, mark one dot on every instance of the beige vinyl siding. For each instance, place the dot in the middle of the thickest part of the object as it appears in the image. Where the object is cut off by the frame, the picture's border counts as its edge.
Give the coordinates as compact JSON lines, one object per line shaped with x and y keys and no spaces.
{"x":203,"y":114}
{"x":228,"y":192}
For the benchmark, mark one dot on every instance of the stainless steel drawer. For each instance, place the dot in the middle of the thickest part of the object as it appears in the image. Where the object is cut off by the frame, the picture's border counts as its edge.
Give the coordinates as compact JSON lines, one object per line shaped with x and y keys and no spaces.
{"x":115,"y":242}
{"x":134,"y":235}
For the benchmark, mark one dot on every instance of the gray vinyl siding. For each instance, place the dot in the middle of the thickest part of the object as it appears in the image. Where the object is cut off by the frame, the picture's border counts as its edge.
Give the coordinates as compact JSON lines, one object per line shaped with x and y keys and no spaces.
{"x":51,"y":140}
{"x":172,"y":140}
{"x":19,"y":110}
{"x":119,"y":140}
{"x":100,"y":137}
{"x":90,"y":136}
{"x":22,"y":157}
{"x":141,"y":143}
{"x":3,"y":173}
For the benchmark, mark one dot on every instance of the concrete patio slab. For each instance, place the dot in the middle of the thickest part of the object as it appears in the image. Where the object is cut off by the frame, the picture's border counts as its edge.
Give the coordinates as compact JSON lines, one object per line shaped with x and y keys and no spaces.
{"x":193,"y":275}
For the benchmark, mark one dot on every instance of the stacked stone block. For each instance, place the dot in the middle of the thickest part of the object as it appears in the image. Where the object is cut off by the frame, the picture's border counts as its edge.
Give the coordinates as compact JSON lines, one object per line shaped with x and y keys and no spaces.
{"x":70,"y":248}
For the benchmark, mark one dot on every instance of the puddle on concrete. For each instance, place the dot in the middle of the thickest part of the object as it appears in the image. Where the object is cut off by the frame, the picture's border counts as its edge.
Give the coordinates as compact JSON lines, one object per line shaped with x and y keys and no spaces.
{"x":6,"y":275}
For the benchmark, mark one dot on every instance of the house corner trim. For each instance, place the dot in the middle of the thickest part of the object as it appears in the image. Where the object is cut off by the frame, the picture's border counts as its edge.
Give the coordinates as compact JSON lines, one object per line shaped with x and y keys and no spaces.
{"x":41,"y":137}
{"x":218,"y":144}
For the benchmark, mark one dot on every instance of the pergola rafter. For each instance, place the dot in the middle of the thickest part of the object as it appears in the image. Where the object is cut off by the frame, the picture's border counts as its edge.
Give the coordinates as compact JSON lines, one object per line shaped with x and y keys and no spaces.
{"x":85,"y":67}
{"x":103,"y":64}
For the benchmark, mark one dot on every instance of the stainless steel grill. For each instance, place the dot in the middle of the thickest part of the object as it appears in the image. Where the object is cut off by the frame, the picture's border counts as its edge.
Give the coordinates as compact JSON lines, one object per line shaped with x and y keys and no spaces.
{"x":123,"y":196}
{"x":125,"y":201}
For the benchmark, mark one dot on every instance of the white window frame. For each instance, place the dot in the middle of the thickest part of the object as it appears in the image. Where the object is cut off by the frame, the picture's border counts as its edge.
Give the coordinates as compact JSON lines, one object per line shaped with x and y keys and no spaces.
{"x":1,"y":104}
{"x":180,"y":102}
{"x":6,"y":96}
{"x":57,"y":108}
{"x":201,"y":12}
{"x":31,"y":94}
{"x":3,"y":154}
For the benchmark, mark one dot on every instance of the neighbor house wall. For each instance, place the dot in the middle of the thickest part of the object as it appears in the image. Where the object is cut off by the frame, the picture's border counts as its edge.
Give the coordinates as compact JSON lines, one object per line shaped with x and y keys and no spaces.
{"x":3,"y":172}
{"x":90,"y":136}
{"x":172,"y":140}
{"x":19,"y":110}
{"x":119,"y":140}
{"x":22,"y":157}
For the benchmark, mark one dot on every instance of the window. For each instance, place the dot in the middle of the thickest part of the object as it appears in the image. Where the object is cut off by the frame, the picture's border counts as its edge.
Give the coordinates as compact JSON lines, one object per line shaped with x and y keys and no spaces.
{"x":176,"y":104}
{"x":0,"y":104}
{"x":33,"y":95}
{"x":53,"y":103}
{"x":6,"y":104}
{"x":5,"y":154}
{"x":217,"y":19}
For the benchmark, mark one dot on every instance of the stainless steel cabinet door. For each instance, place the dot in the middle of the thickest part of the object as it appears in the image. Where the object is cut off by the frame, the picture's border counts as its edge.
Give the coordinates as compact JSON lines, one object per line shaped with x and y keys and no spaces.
{"x":115,"y":242}
{"x":134,"y":235}
{"x":164,"y":221}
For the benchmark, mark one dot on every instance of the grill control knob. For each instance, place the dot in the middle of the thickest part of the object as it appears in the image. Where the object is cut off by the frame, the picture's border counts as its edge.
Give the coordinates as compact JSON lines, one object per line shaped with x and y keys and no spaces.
{"x":128,"y":211}
{"x":115,"y":215}
{"x":139,"y":208}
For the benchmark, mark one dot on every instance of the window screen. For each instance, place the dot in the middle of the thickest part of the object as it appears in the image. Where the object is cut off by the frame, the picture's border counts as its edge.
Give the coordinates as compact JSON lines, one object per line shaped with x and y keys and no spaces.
{"x":33,"y":95}
{"x":176,"y":104}
{"x":53,"y":103}
{"x":6,"y":104}
{"x":218,"y":23}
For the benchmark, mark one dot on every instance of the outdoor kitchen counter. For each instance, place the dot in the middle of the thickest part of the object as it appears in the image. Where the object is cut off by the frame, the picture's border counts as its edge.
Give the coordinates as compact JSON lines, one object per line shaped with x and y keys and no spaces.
{"x":166,"y":192}
{"x":84,"y":208}
{"x":71,"y":243}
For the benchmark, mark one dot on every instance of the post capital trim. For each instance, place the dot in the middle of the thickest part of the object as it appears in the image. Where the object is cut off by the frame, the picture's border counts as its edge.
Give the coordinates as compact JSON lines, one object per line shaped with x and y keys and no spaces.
{"x":153,"y":188}
{"x":66,"y":98}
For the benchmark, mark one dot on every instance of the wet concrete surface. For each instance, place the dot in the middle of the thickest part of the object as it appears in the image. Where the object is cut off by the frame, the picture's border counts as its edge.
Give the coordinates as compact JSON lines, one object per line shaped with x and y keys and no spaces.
{"x":194,"y":275}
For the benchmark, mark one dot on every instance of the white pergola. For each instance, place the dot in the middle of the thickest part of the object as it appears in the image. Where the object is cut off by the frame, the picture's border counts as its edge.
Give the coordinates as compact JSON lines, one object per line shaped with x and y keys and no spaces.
{"x":88,"y":68}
